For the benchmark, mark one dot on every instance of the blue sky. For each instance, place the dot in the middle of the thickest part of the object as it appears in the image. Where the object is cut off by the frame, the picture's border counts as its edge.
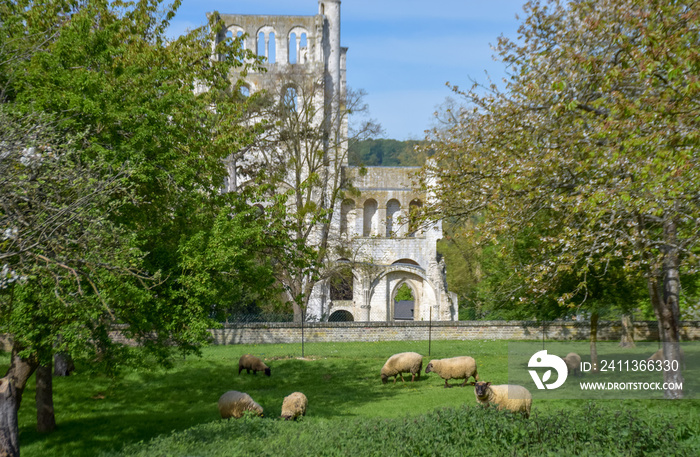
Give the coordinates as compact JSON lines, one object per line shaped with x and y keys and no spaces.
{"x":402,"y":52}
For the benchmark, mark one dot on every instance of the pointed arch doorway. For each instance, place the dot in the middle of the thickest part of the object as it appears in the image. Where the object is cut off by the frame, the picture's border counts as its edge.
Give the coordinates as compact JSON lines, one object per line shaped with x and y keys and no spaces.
{"x":404,"y":301}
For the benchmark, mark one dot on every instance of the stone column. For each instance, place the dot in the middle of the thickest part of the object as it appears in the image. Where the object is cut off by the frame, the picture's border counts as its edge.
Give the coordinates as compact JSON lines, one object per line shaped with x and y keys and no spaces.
{"x":366,"y":307}
{"x":381,"y":222}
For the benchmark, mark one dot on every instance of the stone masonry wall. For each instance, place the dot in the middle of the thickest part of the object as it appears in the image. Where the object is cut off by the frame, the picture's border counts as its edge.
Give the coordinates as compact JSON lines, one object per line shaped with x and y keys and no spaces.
{"x":279,"y":333}
{"x":462,"y":330}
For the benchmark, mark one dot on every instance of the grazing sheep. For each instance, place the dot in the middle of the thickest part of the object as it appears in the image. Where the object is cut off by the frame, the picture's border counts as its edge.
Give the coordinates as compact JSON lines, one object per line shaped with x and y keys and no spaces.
{"x":573,"y":363}
{"x":454,"y":368}
{"x":294,"y":405}
{"x":659,"y":355}
{"x":405,"y":362}
{"x":511,"y":397}
{"x":235,"y":404}
{"x":250,"y":362}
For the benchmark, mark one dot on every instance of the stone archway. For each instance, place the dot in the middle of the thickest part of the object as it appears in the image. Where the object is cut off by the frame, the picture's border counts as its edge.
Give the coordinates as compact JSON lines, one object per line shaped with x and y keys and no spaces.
{"x":341,"y":316}
{"x":404,"y":302}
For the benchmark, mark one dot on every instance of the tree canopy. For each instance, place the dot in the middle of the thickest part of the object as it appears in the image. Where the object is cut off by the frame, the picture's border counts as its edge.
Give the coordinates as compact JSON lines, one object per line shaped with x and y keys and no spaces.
{"x":594,"y":141}
{"x":112,"y":140}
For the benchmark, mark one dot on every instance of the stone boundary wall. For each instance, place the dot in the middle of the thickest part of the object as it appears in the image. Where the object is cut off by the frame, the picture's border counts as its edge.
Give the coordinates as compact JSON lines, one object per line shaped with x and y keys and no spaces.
{"x":261,"y":333}
{"x":322,"y":332}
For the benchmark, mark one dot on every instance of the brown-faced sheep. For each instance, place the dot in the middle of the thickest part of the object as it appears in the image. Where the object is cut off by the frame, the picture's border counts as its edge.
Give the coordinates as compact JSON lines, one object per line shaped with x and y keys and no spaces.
{"x":235,"y":404}
{"x":511,"y":397}
{"x":573,"y":363}
{"x":462,"y":367}
{"x":250,"y":362}
{"x":294,"y":405}
{"x":659,"y":355}
{"x":405,"y":362}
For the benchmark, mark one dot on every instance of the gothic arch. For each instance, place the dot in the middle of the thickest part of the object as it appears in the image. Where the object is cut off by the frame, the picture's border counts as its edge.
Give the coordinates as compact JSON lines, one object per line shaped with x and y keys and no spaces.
{"x":405,"y":310}
{"x":341,"y":316}
{"x":347,"y":217}
{"x":266,"y":43}
{"x":297,"y":45}
{"x":413,"y":208}
{"x":406,"y":262}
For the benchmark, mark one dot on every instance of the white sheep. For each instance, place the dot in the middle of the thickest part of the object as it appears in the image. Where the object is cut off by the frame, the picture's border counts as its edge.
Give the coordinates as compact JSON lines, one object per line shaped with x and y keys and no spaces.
{"x":573,"y":363}
{"x":294,"y":405}
{"x":462,"y":367}
{"x":235,"y":404}
{"x":405,"y":362}
{"x":506,"y":396}
{"x":250,"y":362}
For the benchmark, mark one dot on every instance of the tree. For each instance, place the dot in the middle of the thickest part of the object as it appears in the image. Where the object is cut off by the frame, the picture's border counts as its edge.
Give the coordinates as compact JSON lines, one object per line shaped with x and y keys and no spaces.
{"x":111,"y":165}
{"x":386,"y":153}
{"x":302,"y":153}
{"x":596,"y":133}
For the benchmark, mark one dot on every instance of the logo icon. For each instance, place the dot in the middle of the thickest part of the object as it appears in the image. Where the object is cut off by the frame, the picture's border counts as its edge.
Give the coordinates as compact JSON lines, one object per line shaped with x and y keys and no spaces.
{"x":543,"y":360}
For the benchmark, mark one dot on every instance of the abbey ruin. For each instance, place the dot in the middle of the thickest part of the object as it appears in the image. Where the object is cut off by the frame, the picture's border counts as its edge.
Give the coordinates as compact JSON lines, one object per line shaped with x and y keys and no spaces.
{"x":387,"y":252}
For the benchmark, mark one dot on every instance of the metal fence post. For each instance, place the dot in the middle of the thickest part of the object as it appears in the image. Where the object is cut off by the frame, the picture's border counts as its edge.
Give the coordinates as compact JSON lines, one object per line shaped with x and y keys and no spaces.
{"x":302,"y":333}
{"x":544,"y":331}
{"x":430,"y":330}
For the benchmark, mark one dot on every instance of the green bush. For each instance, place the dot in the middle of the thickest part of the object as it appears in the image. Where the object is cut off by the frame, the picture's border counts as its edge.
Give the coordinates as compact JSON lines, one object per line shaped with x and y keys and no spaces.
{"x":465,"y":430}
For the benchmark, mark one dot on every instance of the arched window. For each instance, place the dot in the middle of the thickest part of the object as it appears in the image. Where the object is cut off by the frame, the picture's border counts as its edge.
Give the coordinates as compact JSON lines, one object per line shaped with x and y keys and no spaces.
{"x":262,"y":48}
{"x":369,"y":220}
{"x":341,"y":316}
{"x":292,"y":48}
{"x":236,"y":32}
{"x":289,"y":98}
{"x":406,"y":262}
{"x":413,"y":213}
{"x":303,"y":49}
{"x":297,"y":45}
{"x":266,"y":45}
{"x":347,"y":217}
{"x":341,"y":282}
{"x":392,"y":212}
{"x":272,"y":48}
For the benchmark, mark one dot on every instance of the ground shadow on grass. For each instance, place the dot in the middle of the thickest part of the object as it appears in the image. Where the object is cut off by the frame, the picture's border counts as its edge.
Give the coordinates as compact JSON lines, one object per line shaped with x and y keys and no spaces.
{"x":95,"y":416}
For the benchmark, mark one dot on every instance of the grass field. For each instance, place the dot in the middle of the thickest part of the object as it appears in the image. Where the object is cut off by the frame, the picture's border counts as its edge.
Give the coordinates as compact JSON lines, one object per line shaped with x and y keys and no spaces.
{"x":173,"y":412}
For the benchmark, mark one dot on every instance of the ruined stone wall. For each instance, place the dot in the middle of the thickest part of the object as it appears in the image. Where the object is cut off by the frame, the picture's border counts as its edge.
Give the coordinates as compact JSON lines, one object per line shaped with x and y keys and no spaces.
{"x":418,"y":331}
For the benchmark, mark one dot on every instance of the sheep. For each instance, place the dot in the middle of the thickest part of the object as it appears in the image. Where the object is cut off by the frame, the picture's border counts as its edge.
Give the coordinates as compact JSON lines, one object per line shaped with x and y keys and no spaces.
{"x":659,"y":355}
{"x":250,"y":362}
{"x":235,"y":404}
{"x":294,"y":405}
{"x":506,"y":396}
{"x":454,"y":368}
{"x":405,"y":362}
{"x":573,"y":363}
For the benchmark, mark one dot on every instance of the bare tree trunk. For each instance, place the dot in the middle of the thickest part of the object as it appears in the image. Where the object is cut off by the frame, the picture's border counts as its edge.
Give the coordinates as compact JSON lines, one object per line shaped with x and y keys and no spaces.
{"x":20,"y":371}
{"x":627,"y":339}
{"x":670,"y":312}
{"x":656,"y":299}
{"x":594,"y":340}
{"x":9,"y":430}
{"x":45,"y":418}
{"x":11,"y":389}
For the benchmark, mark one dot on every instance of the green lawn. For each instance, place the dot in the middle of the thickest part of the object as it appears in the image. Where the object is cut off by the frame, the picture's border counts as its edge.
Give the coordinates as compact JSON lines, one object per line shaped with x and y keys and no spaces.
{"x":177,"y":407}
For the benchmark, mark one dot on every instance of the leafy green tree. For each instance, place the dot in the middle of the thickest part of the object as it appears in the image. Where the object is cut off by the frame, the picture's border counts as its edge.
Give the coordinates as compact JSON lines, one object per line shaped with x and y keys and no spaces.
{"x":595,"y":132}
{"x":111,"y":166}
{"x":386,"y":153}
{"x":301,"y":153}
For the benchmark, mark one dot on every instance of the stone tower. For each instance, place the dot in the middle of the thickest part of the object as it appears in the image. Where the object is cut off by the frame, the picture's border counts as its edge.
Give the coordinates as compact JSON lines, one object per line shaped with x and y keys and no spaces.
{"x":388,"y":252}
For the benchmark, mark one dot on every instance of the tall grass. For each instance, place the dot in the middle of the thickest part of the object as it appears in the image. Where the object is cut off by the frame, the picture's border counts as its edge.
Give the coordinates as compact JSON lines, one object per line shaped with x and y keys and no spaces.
{"x":176,"y":408}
